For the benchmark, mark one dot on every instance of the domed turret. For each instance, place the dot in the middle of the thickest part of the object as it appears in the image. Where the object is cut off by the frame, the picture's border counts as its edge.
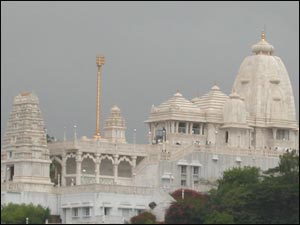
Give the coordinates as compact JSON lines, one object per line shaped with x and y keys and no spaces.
{"x":212,"y":104}
{"x":115,"y":126}
{"x":263,"y":47}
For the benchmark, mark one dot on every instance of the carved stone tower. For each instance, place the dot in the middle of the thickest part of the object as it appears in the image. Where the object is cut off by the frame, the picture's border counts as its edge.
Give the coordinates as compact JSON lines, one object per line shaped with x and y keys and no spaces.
{"x":24,"y":155}
{"x":115,"y":126}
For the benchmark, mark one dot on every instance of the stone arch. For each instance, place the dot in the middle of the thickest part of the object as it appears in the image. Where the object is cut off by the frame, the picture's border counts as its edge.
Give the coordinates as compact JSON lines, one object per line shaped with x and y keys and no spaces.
{"x":88,"y":165}
{"x":57,"y":159}
{"x":55,"y":171}
{"x":70,"y":155}
{"x":88,"y":155}
{"x":106,"y":157}
{"x":125,"y":158}
{"x":70,"y":165}
{"x":124,"y":169}
{"x":106,"y":166}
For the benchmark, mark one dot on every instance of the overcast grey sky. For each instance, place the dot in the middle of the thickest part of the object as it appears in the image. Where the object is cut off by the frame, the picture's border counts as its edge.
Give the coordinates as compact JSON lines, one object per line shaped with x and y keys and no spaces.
{"x":151,"y":50}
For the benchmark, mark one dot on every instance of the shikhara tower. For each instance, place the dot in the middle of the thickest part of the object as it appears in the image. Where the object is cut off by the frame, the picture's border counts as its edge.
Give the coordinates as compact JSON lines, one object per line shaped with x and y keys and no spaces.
{"x":25,"y":155}
{"x":263,"y":82}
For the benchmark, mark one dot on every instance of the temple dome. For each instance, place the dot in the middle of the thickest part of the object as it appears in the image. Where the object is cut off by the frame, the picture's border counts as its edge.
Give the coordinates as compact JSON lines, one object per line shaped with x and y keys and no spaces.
{"x":177,"y":102}
{"x":264,"y":83}
{"x":176,"y":108}
{"x":212,"y":101}
{"x":115,"y":119}
{"x":115,"y":109}
{"x":263,"y":47}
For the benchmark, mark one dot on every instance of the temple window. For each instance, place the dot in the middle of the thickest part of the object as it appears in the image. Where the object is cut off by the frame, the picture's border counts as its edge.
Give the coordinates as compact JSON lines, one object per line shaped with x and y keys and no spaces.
{"x":75,"y":212}
{"x":160,"y":134}
{"x":183,"y":182}
{"x":196,"y":170}
{"x":182,"y":127}
{"x":183,"y":170}
{"x":226,"y":136}
{"x":86,"y":211}
{"x":196,"y":128}
{"x":282,"y":134}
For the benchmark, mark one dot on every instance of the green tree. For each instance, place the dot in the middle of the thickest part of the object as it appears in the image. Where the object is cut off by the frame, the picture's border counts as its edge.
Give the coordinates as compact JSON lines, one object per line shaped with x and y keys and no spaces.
{"x":277,"y":197}
{"x":17,"y":214}
{"x":234,"y":192}
{"x":252,"y":197}
{"x":219,"y":218}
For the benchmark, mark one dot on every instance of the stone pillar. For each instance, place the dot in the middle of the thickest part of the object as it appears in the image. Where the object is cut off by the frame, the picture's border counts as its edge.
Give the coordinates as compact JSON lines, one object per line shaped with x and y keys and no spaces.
{"x":154,"y":131}
{"x":168,"y":128}
{"x":116,"y":167}
{"x":97,"y":168}
{"x":63,"y":170}
{"x":173,"y":127}
{"x":211,"y":133}
{"x":176,"y":127}
{"x":191,"y":128}
{"x":78,"y":168}
{"x":249,"y":139}
{"x":259,"y":138}
{"x":133,"y":163}
{"x":274,"y":133}
{"x":187,"y":127}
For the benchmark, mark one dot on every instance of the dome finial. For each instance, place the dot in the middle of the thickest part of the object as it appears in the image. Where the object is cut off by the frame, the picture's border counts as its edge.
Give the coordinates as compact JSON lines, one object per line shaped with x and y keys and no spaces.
{"x":263,"y":34}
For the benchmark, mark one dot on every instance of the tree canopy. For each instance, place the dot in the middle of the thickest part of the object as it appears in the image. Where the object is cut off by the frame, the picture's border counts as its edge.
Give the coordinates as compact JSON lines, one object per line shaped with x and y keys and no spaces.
{"x":17,"y":214}
{"x":244,"y":196}
{"x":143,"y":218}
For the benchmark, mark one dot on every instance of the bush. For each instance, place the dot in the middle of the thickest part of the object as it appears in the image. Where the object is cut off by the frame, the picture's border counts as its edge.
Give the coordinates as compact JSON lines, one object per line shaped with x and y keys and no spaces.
{"x":143,"y":218}
{"x":190,"y":210}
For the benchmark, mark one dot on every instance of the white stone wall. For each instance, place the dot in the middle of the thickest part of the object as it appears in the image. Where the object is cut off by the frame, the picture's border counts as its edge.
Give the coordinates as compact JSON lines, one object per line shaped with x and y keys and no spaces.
{"x":210,"y":169}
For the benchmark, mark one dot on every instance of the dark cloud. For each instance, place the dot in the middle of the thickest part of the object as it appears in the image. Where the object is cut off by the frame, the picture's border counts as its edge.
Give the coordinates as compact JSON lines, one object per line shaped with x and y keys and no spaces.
{"x":151,"y":49}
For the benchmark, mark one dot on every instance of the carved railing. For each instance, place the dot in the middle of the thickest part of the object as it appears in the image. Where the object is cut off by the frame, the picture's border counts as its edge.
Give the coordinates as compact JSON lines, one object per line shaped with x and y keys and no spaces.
{"x":105,"y":188}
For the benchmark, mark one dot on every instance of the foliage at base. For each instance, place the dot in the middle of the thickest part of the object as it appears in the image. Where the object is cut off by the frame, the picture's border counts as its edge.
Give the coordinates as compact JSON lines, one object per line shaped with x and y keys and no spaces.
{"x":143,"y":218}
{"x":17,"y":214}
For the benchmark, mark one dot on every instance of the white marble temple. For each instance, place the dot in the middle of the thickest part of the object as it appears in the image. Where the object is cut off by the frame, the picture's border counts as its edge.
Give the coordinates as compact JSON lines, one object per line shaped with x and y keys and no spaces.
{"x":191,"y":143}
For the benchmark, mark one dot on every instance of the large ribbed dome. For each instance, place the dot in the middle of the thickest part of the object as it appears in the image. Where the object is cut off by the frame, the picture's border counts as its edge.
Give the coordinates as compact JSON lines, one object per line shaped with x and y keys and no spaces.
{"x":264,"y":83}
